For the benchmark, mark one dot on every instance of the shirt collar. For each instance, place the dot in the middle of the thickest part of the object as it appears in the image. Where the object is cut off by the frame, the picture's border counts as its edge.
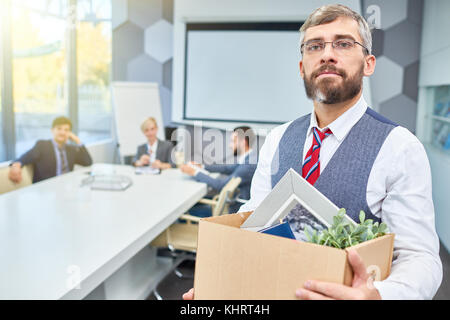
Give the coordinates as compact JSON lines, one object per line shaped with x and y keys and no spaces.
{"x":342,"y":125}
{"x":56,"y":145}
{"x":152,"y":147}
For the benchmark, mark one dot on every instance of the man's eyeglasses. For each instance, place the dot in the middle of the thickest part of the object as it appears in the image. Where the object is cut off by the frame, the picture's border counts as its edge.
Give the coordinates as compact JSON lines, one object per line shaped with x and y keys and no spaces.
{"x":343,"y":45}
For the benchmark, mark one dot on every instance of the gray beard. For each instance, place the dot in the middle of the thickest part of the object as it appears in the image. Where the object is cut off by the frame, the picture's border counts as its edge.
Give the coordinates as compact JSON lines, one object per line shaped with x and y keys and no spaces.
{"x":326,"y":94}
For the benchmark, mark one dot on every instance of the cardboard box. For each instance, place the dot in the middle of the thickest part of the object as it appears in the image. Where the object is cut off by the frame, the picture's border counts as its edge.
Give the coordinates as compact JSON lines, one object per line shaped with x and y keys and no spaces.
{"x":234,"y":263}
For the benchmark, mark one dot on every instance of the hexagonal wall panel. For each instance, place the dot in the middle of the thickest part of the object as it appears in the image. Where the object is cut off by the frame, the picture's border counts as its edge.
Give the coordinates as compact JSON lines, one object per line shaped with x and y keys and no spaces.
{"x":119,"y":12}
{"x":377,"y":42}
{"x":167,"y":74}
{"x":401,"y":110}
{"x":158,"y":41}
{"x":415,"y":10}
{"x":391,"y":11}
{"x":128,"y":43}
{"x":411,"y":81}
{"x":144,"y":68}
{"x":387,"y":81}
{"x":402,"y":43}
{"x":397,"y":48}
{"x":167,"y":10}
{"x":144,"y":13}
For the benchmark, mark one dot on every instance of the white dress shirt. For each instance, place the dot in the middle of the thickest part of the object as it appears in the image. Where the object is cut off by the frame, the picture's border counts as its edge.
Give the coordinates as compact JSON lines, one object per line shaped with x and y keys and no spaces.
{"x":398,"y":191}
{"x":151,"y":149}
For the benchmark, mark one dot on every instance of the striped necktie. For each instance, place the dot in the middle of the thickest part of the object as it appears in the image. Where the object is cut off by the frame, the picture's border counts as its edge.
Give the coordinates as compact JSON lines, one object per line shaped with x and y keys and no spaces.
{"x":64,"y":166}
{"x":311,"y":164}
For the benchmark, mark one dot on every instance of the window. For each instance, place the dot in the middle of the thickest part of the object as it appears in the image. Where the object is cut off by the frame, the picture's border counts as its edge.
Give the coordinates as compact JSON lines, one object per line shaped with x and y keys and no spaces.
{"x":46,"y":79}
{"x":3,"y":153}
{"x":93,"y":75}
{"x":39,"y":69}
{"x":441,"y":118}
{"x":2,"y":142}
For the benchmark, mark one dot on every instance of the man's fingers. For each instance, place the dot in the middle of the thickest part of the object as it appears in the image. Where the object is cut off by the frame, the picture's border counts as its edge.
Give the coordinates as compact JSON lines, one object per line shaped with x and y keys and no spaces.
{"x":189,"y":295}
{"x":332,"y":290}
{"x":305,"y":294}
{"x":15,"y":177}
{"x":359,"y":269}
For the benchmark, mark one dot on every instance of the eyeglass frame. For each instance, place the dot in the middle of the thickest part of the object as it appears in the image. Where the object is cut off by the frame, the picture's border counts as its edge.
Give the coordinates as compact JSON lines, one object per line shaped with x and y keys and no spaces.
{"x":332,"y":44}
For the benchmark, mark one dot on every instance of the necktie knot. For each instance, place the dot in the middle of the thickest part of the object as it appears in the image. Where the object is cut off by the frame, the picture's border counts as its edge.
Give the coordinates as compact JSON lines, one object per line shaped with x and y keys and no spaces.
{"x":319,"y":136}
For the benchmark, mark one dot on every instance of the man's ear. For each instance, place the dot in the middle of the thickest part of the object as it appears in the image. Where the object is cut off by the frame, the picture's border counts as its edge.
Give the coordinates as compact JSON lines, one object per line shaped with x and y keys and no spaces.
{"x":302,"y":72}
{"x":369,"y":65}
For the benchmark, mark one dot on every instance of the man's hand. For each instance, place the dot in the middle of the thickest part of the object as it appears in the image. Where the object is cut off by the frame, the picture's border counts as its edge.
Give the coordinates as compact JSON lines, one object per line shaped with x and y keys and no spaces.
{"x":362,"y":286}
{"x":74,"y":138}
{"x":15,"y":172}
{"x":189,"y":295}
{"x":195,"y":164}
{"x":188,"y":169}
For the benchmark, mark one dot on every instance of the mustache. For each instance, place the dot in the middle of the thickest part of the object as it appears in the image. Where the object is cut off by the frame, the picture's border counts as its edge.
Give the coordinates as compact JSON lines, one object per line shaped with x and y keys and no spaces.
{"x":329,"y":67}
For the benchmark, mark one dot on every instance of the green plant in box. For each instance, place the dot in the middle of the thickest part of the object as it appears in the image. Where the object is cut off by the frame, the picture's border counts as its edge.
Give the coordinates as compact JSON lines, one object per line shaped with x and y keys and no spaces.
{"x":342,"y":234}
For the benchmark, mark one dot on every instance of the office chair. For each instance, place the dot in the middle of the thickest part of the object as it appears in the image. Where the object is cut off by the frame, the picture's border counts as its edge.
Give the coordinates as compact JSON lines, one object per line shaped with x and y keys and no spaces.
{"x":181,"y":238}
{"x":7,"y":185}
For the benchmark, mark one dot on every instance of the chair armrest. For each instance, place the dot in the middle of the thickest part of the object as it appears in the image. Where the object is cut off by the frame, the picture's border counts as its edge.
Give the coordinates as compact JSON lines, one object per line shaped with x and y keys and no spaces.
{"x":243,"y":201}
{"x":191,"y":218}
{"x":208,"y":201}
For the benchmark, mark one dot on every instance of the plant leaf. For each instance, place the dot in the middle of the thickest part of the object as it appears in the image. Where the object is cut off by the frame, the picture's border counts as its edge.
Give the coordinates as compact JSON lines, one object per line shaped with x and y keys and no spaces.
{"x":362,"y":216}
{"x":383,"y":227}
{"x":307,"y":234}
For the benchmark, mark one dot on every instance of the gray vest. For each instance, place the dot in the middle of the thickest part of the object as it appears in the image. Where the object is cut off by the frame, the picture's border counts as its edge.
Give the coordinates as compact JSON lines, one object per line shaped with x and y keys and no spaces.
{"x":344,"y":179}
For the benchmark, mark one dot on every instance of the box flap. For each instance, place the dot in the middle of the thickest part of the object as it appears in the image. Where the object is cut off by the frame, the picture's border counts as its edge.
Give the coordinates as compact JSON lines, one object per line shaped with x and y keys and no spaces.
{"x":377,"y":256}
{"x":232,"y":220}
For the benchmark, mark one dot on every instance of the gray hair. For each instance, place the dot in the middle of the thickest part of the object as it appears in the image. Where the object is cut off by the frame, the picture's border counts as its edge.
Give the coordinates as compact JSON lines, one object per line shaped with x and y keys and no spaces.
{"x":329,"y":13}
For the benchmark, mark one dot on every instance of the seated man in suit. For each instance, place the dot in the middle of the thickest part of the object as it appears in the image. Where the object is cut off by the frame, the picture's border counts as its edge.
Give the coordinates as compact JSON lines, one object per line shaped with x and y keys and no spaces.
{"x":156,"y":152}
{"x":241,"y":141}
{"x":52,"y":157}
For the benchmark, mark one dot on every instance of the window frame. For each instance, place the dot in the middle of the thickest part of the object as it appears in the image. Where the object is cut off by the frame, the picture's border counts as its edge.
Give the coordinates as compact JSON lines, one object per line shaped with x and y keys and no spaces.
{"x":6,"y":65}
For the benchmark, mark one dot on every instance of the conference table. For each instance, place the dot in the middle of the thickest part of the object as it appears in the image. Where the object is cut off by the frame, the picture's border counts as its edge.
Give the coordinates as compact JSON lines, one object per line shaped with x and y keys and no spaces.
{"x":62,"y":240}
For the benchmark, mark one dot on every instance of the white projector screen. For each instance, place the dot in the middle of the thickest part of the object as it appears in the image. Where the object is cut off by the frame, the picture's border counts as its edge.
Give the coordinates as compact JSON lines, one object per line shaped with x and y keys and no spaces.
{"x":244,"y":72}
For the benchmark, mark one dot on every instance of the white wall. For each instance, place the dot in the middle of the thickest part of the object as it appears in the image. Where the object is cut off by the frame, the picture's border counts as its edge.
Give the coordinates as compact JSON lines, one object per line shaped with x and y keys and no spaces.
{"x":440,"y":170}
{"x":230,"y":11}
{"x":435,"y":48}
{"x":435,"y":71}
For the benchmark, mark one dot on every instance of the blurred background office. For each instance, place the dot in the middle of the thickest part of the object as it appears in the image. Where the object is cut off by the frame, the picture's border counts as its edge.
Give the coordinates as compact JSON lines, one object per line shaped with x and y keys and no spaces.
{"x":62,"y":57}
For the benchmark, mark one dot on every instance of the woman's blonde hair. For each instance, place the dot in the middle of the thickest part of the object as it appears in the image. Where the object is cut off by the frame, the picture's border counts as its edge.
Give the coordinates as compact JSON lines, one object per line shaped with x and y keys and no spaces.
{"x":147,"y":122}
{"x":329,"y":13}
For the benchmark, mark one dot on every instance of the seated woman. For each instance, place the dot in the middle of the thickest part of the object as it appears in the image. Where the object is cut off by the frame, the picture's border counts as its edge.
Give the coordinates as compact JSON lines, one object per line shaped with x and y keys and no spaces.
{"x":156,"y":152}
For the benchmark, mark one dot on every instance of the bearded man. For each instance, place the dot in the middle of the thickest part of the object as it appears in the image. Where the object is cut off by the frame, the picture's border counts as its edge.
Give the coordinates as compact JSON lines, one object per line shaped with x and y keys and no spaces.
{"x":356,"y":158}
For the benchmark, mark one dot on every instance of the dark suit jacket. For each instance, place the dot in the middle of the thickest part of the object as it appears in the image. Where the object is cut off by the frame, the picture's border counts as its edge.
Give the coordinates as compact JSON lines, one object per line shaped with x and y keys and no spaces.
{"x":163,"y":152}
{"x":244,"y":171}
{"x":43,"y":158}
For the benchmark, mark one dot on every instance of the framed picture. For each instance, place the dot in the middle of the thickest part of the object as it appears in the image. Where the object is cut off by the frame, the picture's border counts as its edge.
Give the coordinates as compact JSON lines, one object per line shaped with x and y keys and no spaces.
{"x":295,"y":199}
